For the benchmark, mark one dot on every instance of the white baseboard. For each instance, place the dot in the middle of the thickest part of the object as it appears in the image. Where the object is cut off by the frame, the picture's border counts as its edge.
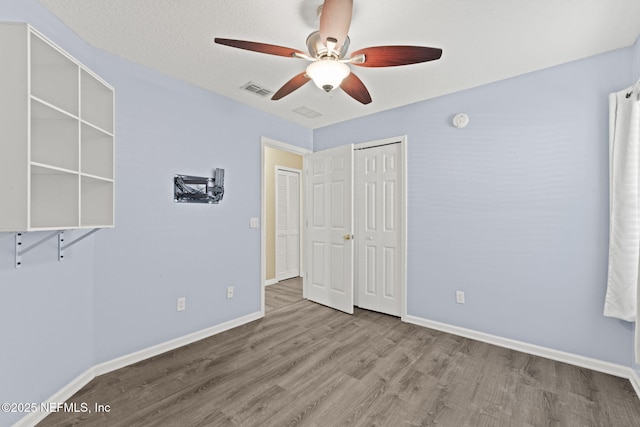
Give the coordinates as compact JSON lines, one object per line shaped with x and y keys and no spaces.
{"x":634,"y":379}
{"x":155,"y":350}
{"x":61,"y":395}
{"x":83,"y":379}
{"x":560,"y":356}
{"x":270,"y":282}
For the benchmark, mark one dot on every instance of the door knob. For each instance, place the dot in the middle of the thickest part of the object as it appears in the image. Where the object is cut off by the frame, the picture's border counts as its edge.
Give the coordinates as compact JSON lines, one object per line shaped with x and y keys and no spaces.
{"x":347,"y":237}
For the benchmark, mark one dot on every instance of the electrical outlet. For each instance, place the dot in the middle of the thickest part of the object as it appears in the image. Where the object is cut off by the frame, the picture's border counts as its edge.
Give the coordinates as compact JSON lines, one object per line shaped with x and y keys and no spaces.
{"x":460,"y":297}
{"x":182,"y":304}
{"x":230,"y":292}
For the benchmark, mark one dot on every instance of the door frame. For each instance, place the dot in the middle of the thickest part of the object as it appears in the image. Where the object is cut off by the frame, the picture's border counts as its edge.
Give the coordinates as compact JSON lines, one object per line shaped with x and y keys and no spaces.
{"x":402,"y":214}
{"x":268,"y":142}
{"x":278,"y":145}
{"x":300,"y":211}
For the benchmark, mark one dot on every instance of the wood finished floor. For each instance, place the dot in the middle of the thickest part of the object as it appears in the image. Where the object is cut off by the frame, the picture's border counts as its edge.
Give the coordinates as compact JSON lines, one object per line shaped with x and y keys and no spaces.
{"x":308,"y":365}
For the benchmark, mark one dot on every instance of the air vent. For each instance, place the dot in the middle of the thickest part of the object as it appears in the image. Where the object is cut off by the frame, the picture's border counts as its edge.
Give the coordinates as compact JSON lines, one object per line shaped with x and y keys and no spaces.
{"x":257,"y":89}
{"x":309,"y":113}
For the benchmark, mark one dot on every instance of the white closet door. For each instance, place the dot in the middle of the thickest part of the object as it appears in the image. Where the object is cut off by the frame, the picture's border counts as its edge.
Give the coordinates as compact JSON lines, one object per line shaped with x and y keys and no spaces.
{"x":287,"y":224}
{"x":378,"y":190}
{"x":329,"y":207}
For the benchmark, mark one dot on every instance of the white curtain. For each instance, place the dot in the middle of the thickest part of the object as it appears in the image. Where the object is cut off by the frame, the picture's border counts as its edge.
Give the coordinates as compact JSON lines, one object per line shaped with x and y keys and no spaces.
{"x":624,"y":208}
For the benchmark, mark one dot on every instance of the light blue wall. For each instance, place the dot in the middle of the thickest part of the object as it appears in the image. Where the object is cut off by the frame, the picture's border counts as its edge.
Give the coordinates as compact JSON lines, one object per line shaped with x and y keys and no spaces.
{"x":161,"y":250}
{"x":46,"y":317}
{"x":513,"y":209}
{"x":116,"y":291}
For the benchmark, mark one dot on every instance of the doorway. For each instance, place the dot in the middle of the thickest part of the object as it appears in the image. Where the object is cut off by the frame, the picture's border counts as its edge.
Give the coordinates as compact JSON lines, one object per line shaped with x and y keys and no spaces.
{"x":275,"y":153}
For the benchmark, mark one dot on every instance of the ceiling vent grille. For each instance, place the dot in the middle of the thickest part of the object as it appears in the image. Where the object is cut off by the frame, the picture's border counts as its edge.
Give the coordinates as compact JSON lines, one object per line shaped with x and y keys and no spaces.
{"x":257,"y":89}
{"x":308,"y":112}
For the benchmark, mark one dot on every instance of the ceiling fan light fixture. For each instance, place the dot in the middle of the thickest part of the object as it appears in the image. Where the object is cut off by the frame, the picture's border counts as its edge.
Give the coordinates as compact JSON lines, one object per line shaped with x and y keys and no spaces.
{"x":328,"y":73}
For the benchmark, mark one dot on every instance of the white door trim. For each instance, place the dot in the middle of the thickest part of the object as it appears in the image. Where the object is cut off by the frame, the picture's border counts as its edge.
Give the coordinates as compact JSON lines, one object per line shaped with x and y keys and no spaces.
{"x":402,"y":213}
{"x":268,"y":142}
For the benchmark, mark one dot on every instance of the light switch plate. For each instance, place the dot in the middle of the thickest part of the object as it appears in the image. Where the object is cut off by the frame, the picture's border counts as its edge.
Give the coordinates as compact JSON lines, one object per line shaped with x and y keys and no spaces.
{"x":255,"y":223}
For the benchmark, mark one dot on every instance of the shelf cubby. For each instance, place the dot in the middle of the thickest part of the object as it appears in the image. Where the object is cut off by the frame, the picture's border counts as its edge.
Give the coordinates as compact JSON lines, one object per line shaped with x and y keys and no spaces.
{"x":54,"y":198}
{"x":54,"y":137}
{"x":96,"y":152}
{"x":54,"y":76}
{"x":97,"y":202}
{"x":96,"y":102}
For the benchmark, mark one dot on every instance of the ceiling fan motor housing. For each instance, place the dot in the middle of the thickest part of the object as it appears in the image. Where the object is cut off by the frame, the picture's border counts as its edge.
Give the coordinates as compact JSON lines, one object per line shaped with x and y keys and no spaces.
{"x":317,"y":49}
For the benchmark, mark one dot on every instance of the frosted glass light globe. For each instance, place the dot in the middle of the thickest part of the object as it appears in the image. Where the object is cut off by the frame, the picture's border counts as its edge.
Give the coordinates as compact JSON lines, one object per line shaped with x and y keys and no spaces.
{"x":328,"y":73}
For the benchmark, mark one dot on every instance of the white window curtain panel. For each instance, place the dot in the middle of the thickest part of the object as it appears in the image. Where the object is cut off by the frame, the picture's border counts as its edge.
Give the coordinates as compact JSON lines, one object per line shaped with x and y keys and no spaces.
{"x":624,"y":208}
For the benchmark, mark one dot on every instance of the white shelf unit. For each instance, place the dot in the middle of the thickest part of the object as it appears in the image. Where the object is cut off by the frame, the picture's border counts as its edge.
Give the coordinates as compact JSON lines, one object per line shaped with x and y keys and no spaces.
{"x":56,"y":137}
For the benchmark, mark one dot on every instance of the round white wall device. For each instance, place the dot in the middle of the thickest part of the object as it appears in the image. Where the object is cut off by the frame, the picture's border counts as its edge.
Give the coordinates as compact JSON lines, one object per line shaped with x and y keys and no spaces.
{"x":460,"y":120}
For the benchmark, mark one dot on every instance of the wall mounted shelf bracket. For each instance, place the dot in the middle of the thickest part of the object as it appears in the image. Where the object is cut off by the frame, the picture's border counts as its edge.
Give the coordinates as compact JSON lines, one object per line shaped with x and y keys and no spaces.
{"x":19,"y":247}
{"x":62,"y":246}
{"x":20,"y":250}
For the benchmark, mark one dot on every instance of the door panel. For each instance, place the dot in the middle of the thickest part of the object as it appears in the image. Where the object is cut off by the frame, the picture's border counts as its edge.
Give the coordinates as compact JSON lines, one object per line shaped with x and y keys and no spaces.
{"x":330,"y":247}
{"x":377,"y":188}
{"x":287,"y":224}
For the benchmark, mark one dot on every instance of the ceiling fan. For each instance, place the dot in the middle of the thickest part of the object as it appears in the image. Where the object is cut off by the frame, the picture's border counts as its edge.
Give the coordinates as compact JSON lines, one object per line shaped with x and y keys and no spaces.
{"x":327,"y":51}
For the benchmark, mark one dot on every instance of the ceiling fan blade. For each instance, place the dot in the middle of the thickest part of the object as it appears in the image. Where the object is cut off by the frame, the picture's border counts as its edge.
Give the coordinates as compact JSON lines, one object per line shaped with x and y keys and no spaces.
{"x":295,"y":83}
{"x":335,"y":20}
{"x":354,"y":87}
{"x":392,"y":56}
{"x":270,"y":49}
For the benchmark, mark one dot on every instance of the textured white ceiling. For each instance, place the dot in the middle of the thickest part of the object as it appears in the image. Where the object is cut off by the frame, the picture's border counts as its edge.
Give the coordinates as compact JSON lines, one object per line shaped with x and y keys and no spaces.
{"x":483,"y":41}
